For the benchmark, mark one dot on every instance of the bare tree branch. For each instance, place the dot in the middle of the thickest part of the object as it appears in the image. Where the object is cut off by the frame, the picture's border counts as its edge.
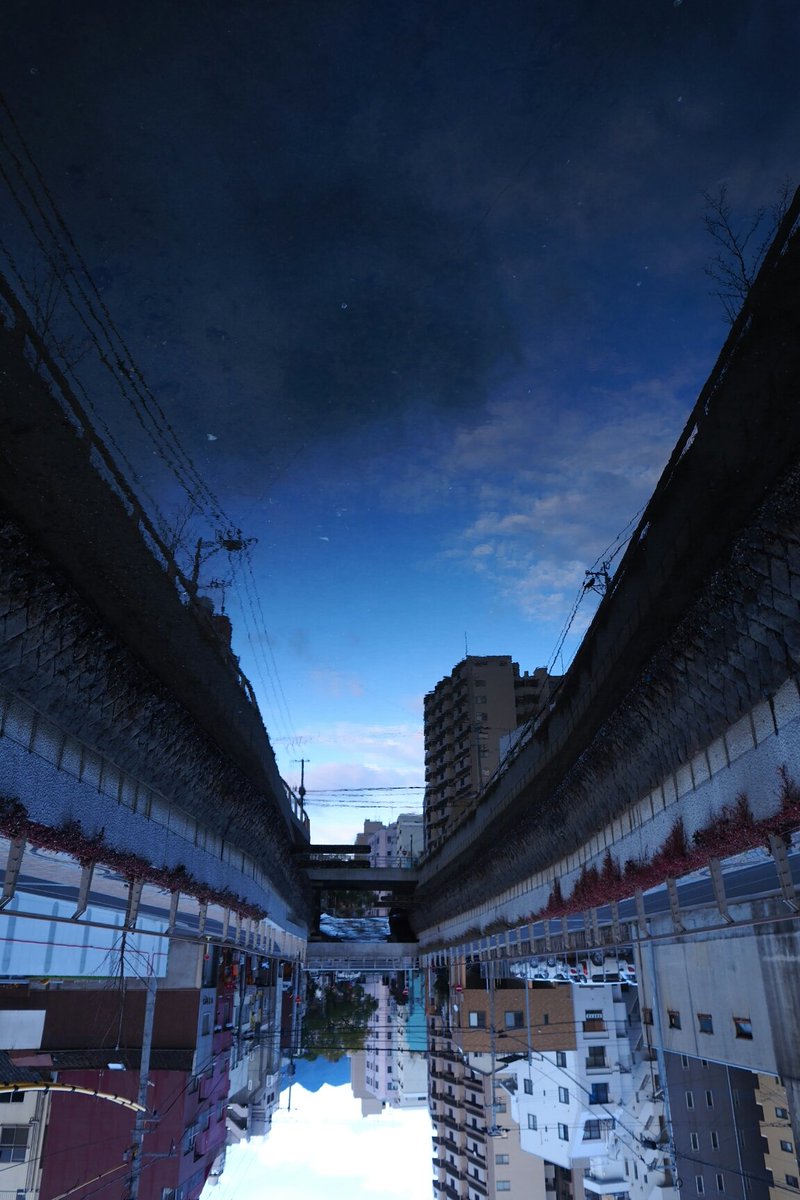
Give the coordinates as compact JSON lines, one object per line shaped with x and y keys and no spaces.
{"x":734,"y":267}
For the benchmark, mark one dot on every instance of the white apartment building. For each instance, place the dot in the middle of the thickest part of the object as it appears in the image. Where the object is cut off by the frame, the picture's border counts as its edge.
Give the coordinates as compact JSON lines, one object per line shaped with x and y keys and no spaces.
{"x":597,"y":1110}
{"x":23,"y":1122}
{"x":394,"y":1073}
{"x":401,"y":841}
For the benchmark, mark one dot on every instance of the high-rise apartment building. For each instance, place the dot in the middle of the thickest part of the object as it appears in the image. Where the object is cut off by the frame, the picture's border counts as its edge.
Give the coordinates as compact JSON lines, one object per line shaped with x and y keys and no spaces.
{"x":477,"y":1149}
{"x":465,"y":716}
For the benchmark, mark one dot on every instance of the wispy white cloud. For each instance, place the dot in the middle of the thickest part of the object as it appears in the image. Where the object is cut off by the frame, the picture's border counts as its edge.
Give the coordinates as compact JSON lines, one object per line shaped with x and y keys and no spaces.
{"x":545,"y":487}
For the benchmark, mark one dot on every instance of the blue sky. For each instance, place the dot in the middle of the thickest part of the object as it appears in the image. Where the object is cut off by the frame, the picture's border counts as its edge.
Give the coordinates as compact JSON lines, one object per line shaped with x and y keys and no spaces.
{"x":420,"y":291}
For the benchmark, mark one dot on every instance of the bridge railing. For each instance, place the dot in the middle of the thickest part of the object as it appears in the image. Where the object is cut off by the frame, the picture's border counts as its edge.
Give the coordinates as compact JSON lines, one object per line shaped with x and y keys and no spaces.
{"x":403,"y":862}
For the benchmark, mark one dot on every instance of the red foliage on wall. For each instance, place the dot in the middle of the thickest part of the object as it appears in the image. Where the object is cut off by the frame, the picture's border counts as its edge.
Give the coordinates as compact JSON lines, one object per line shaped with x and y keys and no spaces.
{"x":731,"y":831}
{"x":88,"y":849}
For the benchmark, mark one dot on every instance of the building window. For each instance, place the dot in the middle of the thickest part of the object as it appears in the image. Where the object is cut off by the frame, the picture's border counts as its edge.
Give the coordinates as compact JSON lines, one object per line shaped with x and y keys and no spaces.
{"x":792,"y":1181}
{"x":685,"y":1061}
{"x":563,"y":1095}
{"x":689,"y":1100}
{"x":596,"y":1056}
{"x":700,"y":1187}
{"x":781,"y":1113}
{"x":788,"y":1147}
{"x":11,"y":1097}
{"x":709,"y":1098}
{"x":500,"y":1108}
{"x":477,"y":1020}
{"x":527,"y":1087}
{"x":503,"y":1185}
{"x":563,"y":1132}
{"x":532,"y":1121}
{"x":714,"y":1140}
{"x":673,"y":1018}
{"x":561,"y":1058}
{"x":599,"y":1093}
{"x":514,"y":1020}
{"x":501,"y":1159}
{"x":591,"y":1131}
{"x":720,"y":1182}
{"x":694,"y":1140}
{"x":743,"y":1027}
{"x":705,"y":1023}
{"x":13,"y":1143}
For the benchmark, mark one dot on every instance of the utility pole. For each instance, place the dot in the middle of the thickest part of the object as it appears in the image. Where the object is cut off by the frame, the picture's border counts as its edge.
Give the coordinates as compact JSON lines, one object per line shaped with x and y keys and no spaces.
{"x":144,"y":1078}
{"x":232,"y":541}
{"x":301,"y":791}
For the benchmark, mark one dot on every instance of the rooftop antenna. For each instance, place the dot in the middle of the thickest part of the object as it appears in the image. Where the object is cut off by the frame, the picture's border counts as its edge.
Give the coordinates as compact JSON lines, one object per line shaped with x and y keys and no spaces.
{"x":466,"y":645}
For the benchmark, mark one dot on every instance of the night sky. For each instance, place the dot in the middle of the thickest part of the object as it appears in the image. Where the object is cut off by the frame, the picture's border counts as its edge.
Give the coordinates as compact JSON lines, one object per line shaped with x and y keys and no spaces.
{"x":420,"y":288}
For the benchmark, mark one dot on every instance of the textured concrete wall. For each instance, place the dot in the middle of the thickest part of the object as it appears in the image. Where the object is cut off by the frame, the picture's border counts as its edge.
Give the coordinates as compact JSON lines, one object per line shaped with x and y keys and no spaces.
{"x":56,"y":654}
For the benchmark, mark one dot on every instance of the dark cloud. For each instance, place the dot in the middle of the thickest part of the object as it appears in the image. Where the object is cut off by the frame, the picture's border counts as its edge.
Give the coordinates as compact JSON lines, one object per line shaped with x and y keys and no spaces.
{"x":312,"y":217}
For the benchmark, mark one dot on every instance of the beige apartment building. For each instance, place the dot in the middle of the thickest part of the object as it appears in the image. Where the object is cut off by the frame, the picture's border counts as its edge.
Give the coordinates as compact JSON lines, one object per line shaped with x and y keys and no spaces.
{"x":777,"y":1139}
{"x":483,"y":699}
{"x":477,"y":1153}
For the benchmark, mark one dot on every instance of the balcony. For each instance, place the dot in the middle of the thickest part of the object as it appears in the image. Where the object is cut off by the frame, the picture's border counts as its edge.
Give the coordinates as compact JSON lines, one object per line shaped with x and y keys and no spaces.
{"x":605,"y":1187}
{"x":594,"y":1067}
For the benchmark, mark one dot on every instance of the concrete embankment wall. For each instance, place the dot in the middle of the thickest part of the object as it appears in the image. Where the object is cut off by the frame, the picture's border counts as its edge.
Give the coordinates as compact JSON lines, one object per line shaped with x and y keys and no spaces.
{"x":95,"y":636}
{"x":61,"y":780}
{"x":746,"y":760}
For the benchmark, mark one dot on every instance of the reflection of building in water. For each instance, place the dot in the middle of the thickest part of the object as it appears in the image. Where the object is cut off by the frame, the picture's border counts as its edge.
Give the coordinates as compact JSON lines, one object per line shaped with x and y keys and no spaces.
{"x":728,"y":998}
{"x":715,"y":1127}
{"x":370,"y":1105}
{"x":255,"y":1063}
{"x":395,"y":1067}
{"x":592,"y":1110}
{"x":777,"y":1139}
{"x":478,"y":1150}
{"x":211,"y":1010}
{"x":23,"y":1123}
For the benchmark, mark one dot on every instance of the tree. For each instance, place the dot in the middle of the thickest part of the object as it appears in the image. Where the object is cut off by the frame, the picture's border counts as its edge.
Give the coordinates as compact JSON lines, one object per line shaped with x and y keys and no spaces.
{"x":741,"y":244}
{"x":336,"y":1022}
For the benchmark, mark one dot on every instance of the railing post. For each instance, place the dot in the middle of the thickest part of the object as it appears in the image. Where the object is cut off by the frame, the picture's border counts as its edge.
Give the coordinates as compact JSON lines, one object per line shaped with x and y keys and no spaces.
{"x":718,"y":883}
{"x":777,"y":847}
{"x":174,"y":901}
{"x":16,"y":853}
{"x":675,"y":905}
{"x":83,"y":891}
{"x":134,"y":896}
{"x":640,"y":914}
